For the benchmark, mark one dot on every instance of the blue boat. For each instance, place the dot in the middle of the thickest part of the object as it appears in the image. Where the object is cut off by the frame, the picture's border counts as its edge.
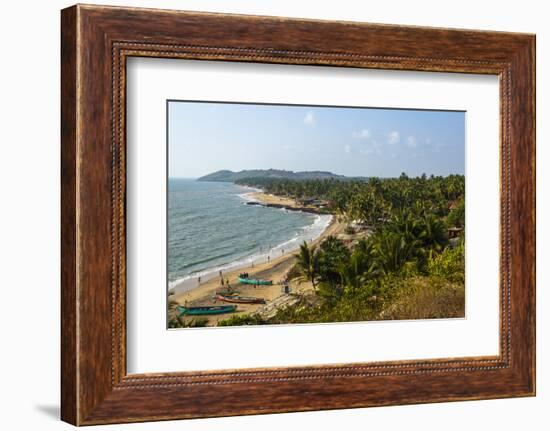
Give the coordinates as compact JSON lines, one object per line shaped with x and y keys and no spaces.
{"x":205,"y":310}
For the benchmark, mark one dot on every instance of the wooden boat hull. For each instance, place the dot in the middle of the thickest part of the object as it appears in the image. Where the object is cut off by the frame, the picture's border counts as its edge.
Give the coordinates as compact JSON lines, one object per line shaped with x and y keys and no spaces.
{"x":207,"y":310}
{"x":240,"y":299}
{"x":255,"y":281}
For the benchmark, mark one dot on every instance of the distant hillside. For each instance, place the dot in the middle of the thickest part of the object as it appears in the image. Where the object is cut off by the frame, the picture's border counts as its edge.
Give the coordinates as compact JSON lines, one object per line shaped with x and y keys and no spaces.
{"x":230,"y":176}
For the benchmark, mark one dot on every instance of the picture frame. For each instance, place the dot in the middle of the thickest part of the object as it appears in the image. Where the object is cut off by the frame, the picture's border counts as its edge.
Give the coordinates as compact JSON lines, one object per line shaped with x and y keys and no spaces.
{"x":96,"y":42}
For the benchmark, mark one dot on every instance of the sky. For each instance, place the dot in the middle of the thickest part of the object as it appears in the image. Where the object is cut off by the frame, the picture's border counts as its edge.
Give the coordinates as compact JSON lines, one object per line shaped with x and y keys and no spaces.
{"x":205,"y":137}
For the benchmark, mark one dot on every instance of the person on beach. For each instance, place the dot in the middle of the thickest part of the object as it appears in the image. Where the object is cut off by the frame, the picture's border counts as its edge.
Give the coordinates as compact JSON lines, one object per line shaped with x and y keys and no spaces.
{"x":199,"y":279}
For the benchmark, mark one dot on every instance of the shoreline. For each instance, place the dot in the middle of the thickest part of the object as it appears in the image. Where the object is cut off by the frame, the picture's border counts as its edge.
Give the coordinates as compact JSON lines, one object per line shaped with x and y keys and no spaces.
{"x":274,"y":268}
{"x":190,"y":282}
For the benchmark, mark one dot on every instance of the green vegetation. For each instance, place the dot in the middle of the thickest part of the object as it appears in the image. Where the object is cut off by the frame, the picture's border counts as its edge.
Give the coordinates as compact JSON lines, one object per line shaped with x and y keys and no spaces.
{"x":230,"y":176}
{"x":242,"y":319}
{"x":198,"y":322}
{"x":449,"y":264}
{"x":307,"y":264}
{"x":372,"y":200}
{"x":456,"y":216}
{"x":425,"y":297}
{"x":406,"y":267}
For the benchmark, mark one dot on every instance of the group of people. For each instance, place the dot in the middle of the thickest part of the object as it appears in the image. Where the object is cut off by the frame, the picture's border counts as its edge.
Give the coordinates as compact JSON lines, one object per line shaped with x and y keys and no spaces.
{"x":199,"y":279}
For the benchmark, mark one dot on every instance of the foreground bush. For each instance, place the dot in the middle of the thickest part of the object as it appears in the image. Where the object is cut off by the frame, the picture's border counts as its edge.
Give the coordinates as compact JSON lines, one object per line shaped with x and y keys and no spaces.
{"x":240,"y":320}
{"x":199,"y":322}
{"x":391,"y":298}
{"x":449,"y":264}
{"x":425,"y":298}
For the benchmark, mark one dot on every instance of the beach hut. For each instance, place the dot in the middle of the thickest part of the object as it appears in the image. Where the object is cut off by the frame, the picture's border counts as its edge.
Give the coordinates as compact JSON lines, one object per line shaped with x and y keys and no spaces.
{"x":454,"y":232}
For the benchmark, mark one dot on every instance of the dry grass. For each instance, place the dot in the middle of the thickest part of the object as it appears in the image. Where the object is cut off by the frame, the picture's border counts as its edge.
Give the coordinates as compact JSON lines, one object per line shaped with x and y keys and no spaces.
{"x":426,"y":298}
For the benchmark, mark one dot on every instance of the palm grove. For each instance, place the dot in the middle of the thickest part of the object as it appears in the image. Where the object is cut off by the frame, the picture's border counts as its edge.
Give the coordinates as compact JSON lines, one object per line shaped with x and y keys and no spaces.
{"x":404,"y":266}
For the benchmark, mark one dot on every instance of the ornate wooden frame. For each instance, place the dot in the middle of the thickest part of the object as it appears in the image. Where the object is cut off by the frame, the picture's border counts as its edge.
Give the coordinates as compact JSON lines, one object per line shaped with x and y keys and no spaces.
{"x":95,"y":42}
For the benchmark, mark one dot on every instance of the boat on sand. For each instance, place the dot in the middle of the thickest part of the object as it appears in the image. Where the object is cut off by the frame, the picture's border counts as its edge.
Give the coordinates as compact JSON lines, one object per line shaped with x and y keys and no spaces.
{"x":236,"y":299}
{"x":205,"y":310}
{"x":243,"y":278}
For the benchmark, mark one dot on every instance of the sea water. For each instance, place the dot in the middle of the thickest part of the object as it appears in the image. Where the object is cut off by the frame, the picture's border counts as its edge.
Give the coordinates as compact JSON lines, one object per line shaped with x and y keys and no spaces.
{"x":211,"y":228}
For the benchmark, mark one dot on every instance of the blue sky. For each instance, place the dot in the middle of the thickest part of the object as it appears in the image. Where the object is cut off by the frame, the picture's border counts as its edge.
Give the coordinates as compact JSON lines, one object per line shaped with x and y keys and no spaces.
{"x":205,"y":137}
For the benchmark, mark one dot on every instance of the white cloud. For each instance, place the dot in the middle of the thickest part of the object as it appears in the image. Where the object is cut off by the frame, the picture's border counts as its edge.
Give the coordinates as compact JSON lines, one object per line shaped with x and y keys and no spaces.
{"x":393,"y":137}
{"x":362,"y":134}
{"x":412,"y":142}
{"x":310,"y":118}
{"x":372,"y":148}
{"x":347,"y":149}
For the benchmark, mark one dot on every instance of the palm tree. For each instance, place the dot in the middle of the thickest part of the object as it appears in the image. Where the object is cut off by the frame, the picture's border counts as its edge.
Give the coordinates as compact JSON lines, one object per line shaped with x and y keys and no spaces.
{"x":393,"y":251}
{"x":433,"y":235}
{"x":405,"y":224}
{"x":361,"y":266}
{"x":456,"y":215}
{"x":332,"y":254}
{"x":364,"y":246}
{"x":308,"y":264}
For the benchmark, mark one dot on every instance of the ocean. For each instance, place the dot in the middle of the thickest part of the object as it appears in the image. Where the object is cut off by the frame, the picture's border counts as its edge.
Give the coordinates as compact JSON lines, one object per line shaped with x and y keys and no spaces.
{"x":210,"y":228}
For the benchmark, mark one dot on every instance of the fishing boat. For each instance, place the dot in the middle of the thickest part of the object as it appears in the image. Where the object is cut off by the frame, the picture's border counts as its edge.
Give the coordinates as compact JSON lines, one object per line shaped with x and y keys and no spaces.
{"x":207,"y":309}
{"x":225,"y":293}
{"x":236,"y":299}
{"x":255,"y":281}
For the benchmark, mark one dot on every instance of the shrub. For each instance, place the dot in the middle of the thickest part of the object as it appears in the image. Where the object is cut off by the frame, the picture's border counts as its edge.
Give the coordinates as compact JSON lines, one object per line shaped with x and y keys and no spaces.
{"x":241,"y":320}
{"x":294,"y":272}
{"x":456,"y":216}
{"x":449,"y":265}
{"x":349,"y":230}
{"x":425,"y":298}
{"x":199,"y":322}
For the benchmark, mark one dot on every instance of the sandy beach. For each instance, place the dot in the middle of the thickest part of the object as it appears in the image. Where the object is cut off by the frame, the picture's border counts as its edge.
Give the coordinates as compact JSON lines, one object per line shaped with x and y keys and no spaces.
{"x":267,"y":198}
{"x":275,"y":269}
{"x":279,"y":201}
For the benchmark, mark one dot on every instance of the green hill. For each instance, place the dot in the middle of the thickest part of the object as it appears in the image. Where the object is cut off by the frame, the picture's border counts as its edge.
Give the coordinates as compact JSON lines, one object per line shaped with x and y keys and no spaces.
{"x":230,"y":176}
